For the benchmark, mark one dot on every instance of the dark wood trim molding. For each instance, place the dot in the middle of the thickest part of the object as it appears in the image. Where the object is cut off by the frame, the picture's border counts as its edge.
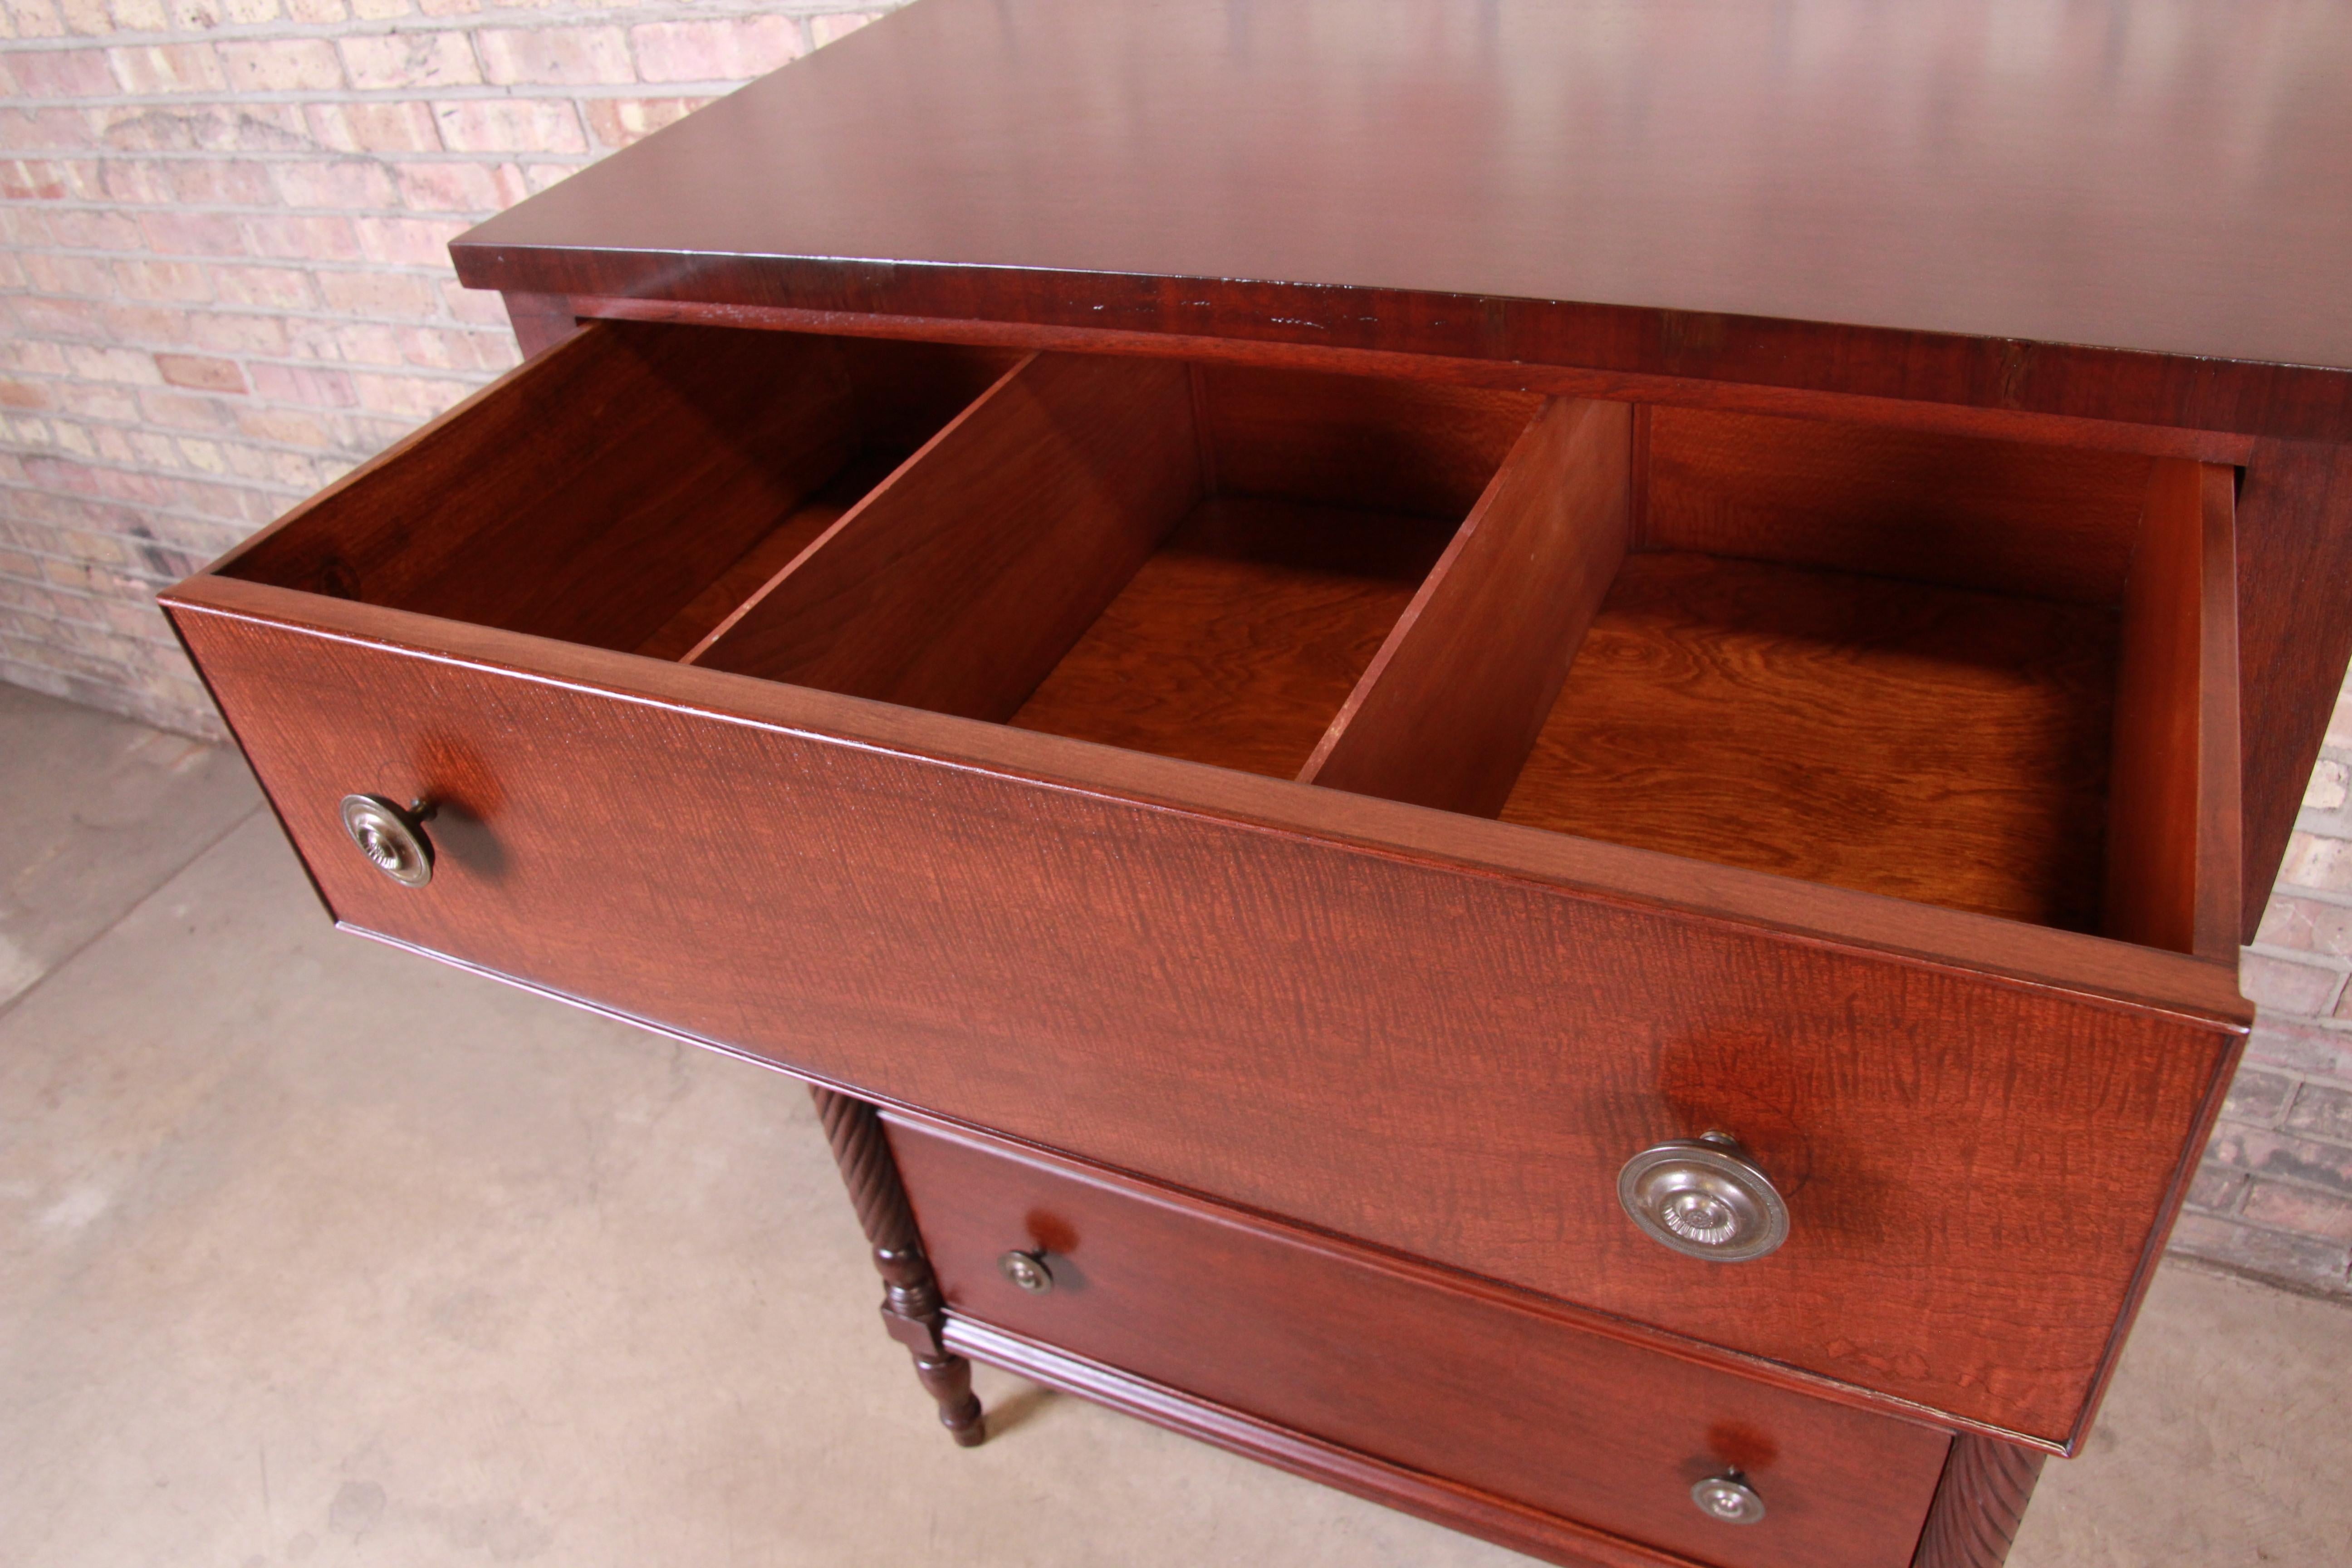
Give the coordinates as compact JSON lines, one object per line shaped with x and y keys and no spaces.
{"x":911,"y":1308}
{"x":1465,"y":1508}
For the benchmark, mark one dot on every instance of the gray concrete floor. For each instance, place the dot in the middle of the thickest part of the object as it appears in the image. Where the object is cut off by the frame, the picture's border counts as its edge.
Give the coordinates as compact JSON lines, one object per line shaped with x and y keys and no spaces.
{"x":313,"y":1252}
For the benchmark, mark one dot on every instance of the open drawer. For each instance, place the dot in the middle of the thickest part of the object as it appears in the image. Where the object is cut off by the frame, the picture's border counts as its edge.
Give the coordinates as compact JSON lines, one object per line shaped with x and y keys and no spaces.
{"x":1357,"y":800}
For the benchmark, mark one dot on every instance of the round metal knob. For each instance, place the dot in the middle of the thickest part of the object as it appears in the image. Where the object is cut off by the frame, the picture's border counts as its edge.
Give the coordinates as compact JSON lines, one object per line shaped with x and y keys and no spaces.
{"x":1705,"y":1197}
{"x":1028,"y":1270}
{"x":393,"y":840}
{"x":1729,"y":1498}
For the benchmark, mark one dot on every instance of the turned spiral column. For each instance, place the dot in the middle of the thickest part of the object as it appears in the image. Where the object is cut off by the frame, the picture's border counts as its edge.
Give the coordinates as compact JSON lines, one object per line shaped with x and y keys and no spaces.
{"x":911,"y":1309}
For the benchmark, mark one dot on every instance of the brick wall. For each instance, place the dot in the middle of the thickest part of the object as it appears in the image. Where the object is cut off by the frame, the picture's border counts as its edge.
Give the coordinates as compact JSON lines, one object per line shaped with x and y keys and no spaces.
{"x":2274,"y":1194}
{"x":223,"y":278}
{"x":222,"y":282}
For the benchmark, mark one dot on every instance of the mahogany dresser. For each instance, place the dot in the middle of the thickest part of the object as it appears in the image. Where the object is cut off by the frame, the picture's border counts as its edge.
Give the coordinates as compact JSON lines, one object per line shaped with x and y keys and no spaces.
{"x":1510,"y":750}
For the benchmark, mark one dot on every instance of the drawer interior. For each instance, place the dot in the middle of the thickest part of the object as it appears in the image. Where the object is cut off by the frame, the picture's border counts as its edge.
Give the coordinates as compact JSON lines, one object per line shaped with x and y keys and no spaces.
{"x":1988,"y":674}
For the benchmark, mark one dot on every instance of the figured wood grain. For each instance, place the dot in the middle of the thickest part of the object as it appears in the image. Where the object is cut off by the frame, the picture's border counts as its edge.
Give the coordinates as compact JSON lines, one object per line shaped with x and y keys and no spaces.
{"x":958,"y":583}
{"x":1241,"y":636}
{"x":1986,"y":1487}
{"x":2045,"y":521}
{"x":593,"y":493}
{"x":1395,"y":1362}
{"x":1839,"y":196}
{"x":1927,"y":743}
{"x":1537,"y":1534}
{"x":1259,"y":990}
{"x":2173,"y":873}
{"x":1446,"y":713}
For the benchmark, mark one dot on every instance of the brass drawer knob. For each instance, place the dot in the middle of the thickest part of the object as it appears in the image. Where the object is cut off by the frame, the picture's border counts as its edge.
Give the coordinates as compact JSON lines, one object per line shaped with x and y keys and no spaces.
{"x":392,"y":838}
{"x":1729,"y":1498}
{"x":1028,"y":1270}
{"x":1705,"y":1197}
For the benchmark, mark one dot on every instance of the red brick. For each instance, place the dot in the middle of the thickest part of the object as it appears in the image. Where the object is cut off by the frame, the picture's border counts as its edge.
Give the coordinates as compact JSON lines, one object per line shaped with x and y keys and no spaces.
{"x":201,"y":372}
{"x":24,"y":394}
{"x":225,"y":332}
{"x":2257,"y":1097}
{"x":474,"y":307}
{"x":2302,"y":1047}
{"x":617,"y":122}
{"x":413,"y":396}
{"x":342,"y":183}
{"x":31,"y":180}
{"x":179,"y":411}
{"x":735,"y":49}
{"x":410,"y":60}
{"x":36,"y":18}
{"x":827,"y":30}
{"x":2328,"y":789}
{"x":407,"y":241}
{"x":177,"y":280}
{"x":144,"y":324}
{"x":2301,"y":988}
{"x":168,"y":68}
{"x":2217,"y":1187}
{"x":50,"y":129}
{"x":59,"y":73}
{"x":554,"y":55}
{"x":82,"y":229}
{"x":280,"y":288}
{"x":303,"y":385}
{"x":374,"y":127}
{"x":2305,"y":1213}
{"x":281,"y":65}
{"x":283,"y":424}
{"x":2308,"y":925}
{"x":371,"y":293}
{"x":304,"y":238}
{"x":2321,"y":1111}
{"x":509,"y":125}
{"x":2313,"y":861}
{"x":192,"y":234}
{"x":2283,"y":1156}
{"x":222,"y":182}
{"x":437,"y":348}
{"x":460,"y":187}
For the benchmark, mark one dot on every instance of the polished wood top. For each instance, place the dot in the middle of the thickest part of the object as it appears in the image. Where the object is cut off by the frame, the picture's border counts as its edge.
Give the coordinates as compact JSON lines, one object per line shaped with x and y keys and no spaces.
{"x":1949,"y":181}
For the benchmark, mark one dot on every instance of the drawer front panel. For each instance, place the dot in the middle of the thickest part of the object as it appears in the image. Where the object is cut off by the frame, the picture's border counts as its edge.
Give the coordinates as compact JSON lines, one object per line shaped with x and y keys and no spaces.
{"x":1441,"y":1060}
{"x":1469,"y":1388}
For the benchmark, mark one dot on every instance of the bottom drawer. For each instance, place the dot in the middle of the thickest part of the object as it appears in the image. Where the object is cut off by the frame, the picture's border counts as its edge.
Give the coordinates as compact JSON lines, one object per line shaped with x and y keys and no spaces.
{"x":1391,"y":1362}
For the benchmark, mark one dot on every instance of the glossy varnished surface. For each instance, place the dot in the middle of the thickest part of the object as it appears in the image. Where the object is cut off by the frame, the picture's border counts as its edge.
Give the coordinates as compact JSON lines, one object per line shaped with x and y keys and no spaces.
{"x":1448,"y":1050}
{"x":2166,"y":179}
{"x":1925,"y":742}
{"x":1408,"y":1366}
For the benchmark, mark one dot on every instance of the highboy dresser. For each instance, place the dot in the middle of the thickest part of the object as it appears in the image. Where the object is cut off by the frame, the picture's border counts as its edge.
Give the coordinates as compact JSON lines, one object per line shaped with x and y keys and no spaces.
{"x":1510,"y":750}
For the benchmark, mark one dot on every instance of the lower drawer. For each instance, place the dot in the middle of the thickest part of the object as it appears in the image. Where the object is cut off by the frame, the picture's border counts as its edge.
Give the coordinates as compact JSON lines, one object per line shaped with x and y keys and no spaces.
{"x":1399,"y":1365}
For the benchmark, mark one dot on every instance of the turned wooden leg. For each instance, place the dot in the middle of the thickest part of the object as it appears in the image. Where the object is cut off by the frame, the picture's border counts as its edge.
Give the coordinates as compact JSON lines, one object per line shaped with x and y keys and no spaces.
{"x":1975,"y":1515}
{"x":911,"y":1308}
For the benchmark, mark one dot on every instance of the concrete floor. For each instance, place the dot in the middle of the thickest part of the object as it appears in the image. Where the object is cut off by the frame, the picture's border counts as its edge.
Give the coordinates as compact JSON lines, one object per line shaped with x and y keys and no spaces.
{"x":312,"y":1252}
